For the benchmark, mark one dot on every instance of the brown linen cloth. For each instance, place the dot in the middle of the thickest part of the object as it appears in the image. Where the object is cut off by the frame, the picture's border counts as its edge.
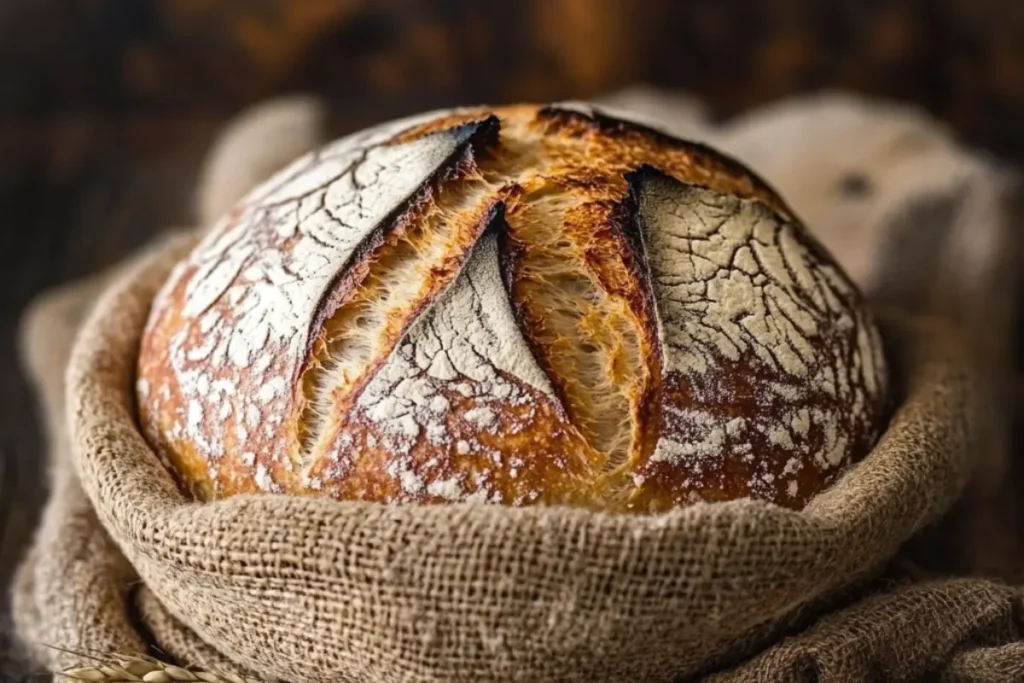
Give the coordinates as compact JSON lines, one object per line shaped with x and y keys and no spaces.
{"x":307,"y":589}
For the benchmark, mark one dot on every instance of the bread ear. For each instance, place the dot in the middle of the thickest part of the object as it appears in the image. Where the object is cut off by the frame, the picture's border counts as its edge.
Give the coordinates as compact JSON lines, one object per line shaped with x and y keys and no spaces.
{"x":252,"y":146}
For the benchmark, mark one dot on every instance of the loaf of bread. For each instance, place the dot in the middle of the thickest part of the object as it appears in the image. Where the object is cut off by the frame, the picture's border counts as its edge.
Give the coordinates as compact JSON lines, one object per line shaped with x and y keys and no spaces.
{"x":519,"y":305}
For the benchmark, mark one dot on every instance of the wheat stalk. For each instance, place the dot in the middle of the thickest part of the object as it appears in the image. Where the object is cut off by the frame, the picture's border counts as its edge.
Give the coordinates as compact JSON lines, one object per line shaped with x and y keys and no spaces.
{"x":145,"y":670}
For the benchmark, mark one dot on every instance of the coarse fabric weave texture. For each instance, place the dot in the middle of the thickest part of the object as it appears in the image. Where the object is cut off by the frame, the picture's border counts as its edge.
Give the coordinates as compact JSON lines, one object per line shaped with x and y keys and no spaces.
{"x":860,"y":585}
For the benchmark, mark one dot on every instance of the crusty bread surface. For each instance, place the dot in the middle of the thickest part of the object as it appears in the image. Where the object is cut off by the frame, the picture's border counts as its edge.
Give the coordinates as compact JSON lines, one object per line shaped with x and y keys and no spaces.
{"x":518,"y":305}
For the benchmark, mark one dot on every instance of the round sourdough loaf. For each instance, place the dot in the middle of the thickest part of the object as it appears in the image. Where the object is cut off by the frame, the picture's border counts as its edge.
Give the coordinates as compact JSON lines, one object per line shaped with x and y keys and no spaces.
{"x":518,"y":305}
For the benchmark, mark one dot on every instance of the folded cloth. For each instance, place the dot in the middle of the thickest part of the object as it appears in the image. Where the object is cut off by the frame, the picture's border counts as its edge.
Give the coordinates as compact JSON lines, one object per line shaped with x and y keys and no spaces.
{"x":923,"y":225}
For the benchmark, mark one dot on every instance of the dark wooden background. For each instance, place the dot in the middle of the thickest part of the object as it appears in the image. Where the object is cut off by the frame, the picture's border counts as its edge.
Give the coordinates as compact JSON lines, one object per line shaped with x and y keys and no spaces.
{"x":106,"y":106}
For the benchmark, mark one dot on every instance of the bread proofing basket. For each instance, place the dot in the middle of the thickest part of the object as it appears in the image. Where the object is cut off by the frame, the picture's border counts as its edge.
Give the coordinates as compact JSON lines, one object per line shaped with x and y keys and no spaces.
{"x":310,"y":589}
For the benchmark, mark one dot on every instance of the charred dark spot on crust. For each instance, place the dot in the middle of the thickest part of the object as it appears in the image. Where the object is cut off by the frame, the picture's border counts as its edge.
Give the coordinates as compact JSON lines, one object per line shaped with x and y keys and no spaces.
{"x":575,"y":123}
{"x":638,"y":179}
{"x":478,"y":122}
{"x":630,"y":226}
{"x":480,"y":135}
{"x":461,"y":163}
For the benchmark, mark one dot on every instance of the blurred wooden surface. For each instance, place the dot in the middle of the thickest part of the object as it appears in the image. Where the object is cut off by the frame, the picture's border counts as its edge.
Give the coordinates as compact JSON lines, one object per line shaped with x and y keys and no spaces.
{"x":963,"y":59}
{"x":106,"y":105}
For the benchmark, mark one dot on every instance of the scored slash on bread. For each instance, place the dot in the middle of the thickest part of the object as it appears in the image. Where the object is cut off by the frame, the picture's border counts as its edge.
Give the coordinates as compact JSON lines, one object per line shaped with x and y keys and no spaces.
{"x":515,"y":305}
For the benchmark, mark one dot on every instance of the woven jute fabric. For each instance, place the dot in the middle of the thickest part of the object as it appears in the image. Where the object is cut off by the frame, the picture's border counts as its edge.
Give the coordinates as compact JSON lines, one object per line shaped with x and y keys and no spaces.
{"x":882,"y":577}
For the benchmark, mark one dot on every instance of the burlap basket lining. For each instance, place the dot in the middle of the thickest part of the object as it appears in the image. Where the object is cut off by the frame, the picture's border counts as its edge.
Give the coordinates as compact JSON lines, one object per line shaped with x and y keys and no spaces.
{"x":318,"y":590}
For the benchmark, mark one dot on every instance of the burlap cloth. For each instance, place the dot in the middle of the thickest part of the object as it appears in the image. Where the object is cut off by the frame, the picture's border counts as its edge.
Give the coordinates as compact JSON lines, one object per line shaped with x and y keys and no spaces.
{"x":903,"y":570}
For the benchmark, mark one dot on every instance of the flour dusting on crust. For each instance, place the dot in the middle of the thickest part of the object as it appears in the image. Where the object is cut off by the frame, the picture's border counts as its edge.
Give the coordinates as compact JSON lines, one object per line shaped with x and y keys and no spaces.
{"x":252,"y":288}
{"x":735,"y":287}
{"x":521,"y":305}
{"x":467,"y":343}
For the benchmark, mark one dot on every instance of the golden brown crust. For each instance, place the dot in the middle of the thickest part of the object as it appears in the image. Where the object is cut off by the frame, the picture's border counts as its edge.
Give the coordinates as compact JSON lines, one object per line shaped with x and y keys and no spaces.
{"x":528,"y":454}
{"x":626,"y":145}
{"x":516,"y":305}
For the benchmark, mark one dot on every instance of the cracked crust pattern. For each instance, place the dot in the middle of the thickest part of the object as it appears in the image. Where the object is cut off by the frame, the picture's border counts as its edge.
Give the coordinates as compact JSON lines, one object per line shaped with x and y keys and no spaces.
{"x":768,"y":365}
{"x":524,"y":305}
{"x":462,"y":385}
